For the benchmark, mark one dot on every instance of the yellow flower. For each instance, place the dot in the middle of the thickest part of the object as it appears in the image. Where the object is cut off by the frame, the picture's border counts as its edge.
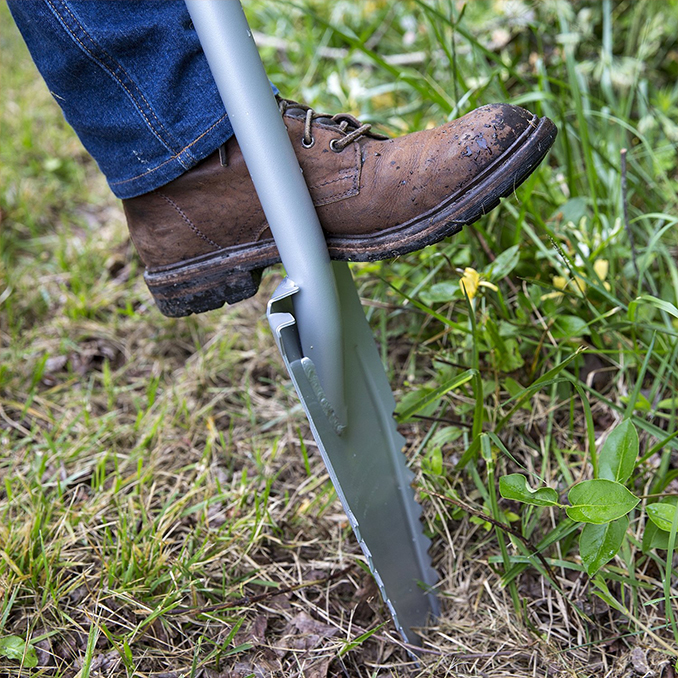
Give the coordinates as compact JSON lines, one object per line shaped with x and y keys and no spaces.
{"x":602,"y":267}
{"x":561,"y":283}
{"x":470,"y":282}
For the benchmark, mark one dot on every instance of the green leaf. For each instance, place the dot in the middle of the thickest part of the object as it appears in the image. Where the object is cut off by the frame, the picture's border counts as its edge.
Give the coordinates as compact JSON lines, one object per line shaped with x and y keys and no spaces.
{"x":618,"y":457}
{"x":17,"y":649}
{"x":661,"y":304}
{"x":434,"y":461}
{"x":662,"y":515}
{"x":442,"y":292}
{"x":434,"y":395}
{"x":567,"y":326}
{"x":604,"y":594}
{"x":572,"y":210}
{"x":127,"y":652}
{"x":515,"y":486}
{"x":511,"y":360}
{"x":599,"y":501}
{"x":414,"y":400}
{"x":470,"y":453}
{"x":598,"y":544}
{"x":640,"y":378}
{"x":642,"y":403}
{"x":444,"y":436}
{"x":360,"y":639}
{"x":653,"y":537}
{"x":514,"y":390}
{"x":503,"y":264}
{"x":668,"y":404}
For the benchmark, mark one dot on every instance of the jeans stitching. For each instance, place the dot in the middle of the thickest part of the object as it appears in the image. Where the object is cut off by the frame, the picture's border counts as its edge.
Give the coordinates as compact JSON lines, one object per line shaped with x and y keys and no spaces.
{"x":174,"y":157}
{"x":113,"y":74}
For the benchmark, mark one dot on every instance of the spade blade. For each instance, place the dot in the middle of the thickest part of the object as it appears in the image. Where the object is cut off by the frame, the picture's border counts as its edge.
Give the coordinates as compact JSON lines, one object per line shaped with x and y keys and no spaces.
{"x":364,"y":456}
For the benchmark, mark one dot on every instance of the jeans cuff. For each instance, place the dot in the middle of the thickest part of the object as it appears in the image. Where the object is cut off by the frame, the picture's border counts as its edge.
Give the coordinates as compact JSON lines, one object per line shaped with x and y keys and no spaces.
{"x":201,"y":147}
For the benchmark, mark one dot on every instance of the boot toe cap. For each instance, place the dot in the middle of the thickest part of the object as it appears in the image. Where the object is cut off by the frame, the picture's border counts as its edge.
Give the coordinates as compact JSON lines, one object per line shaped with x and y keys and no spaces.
{"x":498,"y":125}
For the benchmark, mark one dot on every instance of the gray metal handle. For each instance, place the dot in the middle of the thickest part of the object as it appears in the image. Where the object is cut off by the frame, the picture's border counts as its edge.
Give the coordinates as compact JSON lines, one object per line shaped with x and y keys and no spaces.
{"x":253,"y":112}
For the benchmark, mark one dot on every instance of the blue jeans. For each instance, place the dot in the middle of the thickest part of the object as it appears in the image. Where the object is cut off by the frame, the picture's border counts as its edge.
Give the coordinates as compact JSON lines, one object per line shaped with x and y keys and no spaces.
{"x":132,"y":80}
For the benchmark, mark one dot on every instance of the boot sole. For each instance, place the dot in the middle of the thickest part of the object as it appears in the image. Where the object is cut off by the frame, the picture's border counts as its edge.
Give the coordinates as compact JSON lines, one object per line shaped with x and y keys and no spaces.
{"x":233,"y":274}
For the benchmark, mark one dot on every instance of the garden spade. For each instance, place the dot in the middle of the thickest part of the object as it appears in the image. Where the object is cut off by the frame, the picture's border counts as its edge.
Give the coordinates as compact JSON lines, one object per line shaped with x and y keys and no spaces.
{"x":322,"y":333}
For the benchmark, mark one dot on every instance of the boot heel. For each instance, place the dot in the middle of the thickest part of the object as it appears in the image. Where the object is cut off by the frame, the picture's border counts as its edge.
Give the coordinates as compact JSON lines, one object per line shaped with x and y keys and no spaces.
{"x":179,"y":295}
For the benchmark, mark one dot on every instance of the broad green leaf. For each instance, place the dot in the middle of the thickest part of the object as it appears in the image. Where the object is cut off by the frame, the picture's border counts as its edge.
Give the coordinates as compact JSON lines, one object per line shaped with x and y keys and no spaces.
{"x":642,"y":403}
{"x":515,"y":486}
{"x":618,"y":457}
{"x":599,"y":501}
{"x":477,"y":520}
{"x":503,"y":264}
{"x":443,"y":291}
{"x":572,"y":210}
{"x":511,"y":360}
{"x":435,"y":461}
{"x":444,"y":436}
{"x":653,"y":537}
{"x":567,"y":326}
{"x":17,"y":649}
{"x":662,"y":515}
{"x":598,"y":544}
{"x":668,"y":404}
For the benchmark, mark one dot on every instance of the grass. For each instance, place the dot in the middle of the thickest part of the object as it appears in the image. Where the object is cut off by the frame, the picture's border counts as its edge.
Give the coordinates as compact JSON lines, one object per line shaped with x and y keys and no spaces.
{"x":163,"y":511}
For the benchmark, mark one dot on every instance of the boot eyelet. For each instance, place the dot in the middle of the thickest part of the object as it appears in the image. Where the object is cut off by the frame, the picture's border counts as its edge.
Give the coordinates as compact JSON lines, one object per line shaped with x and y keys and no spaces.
{"x":333,"y":146}
{"x":309,"y":145}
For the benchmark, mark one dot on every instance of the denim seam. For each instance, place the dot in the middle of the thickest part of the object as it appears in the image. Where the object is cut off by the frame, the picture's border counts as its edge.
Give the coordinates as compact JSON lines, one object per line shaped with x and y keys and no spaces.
{"x":173,"y":158}
{"x":107,"y":67}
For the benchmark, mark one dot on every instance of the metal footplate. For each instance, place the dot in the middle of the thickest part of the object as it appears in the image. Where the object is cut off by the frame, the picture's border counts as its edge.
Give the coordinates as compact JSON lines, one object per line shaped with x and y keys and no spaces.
{"x":364,"y":457}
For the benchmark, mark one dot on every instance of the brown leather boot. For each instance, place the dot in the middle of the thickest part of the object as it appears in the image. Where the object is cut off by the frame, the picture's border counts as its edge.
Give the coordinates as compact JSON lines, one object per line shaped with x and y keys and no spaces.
{"x":205,"y":241}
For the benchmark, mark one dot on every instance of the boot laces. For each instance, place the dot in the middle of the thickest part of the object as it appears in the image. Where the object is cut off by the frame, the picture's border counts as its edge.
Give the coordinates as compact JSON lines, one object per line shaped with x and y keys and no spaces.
{"x":350,"y":126}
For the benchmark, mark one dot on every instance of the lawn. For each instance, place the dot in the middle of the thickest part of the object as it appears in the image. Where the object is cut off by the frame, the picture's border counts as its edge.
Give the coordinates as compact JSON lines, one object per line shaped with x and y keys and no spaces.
{"x":163,"y":508}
